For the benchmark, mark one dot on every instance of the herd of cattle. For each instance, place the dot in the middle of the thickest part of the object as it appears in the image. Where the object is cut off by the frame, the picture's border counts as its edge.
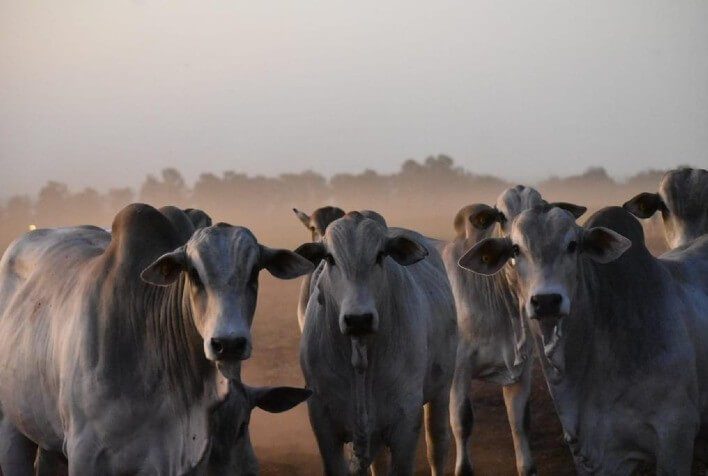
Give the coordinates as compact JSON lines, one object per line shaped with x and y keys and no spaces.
{"x":120,"y":351}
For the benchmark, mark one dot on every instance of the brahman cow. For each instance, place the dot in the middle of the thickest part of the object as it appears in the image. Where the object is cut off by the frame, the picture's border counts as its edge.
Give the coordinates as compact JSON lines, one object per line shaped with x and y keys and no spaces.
{"x":378,"y":344}
{"x":492,"y":336}
{"x":109,"y":341}
{"x":621,"y":334}
{"x":683,"y":202}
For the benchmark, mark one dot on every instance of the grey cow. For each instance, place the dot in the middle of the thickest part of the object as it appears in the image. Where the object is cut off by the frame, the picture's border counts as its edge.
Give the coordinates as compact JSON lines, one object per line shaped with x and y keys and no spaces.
{"x":109,"y":342}
{"x":621,"y":334}
{"x":492,"y":336}
{"x":683,"y":202}
{"x":378,"y":344}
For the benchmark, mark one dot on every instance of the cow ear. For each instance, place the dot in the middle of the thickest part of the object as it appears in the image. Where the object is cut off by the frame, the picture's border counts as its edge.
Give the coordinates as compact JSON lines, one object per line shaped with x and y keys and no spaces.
{"x":404,"y":250}
{"x":643,"y":205}
{"x":487,"y":257}
{"x":284,"y":264}
{"x":604,"y":245}
{"x":314,"y":252}
{"x":486,"y":217}
{"x":575,"y":210}
{"x":303,"y":217}
{"x":166,"y":269}
{"x":277,"y":399}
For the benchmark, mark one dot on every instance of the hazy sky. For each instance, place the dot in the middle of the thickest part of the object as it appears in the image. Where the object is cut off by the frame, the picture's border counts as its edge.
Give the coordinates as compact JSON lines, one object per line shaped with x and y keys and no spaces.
{"x":103,"y":92}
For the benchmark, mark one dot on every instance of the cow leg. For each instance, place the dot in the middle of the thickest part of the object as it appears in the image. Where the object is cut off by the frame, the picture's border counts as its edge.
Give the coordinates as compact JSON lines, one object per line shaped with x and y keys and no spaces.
{"x":404,"y":443}
{"x":17,"y":452}
{"x":331,"y":447}
{"x":461,"y":411}
{"x":437,"y":431}
{"x":516,"y":399}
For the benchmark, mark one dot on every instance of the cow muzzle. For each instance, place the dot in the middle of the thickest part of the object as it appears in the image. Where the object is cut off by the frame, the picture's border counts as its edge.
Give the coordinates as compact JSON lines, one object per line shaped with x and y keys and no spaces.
{"x":548,"y":310}
{"x":230,"y":348}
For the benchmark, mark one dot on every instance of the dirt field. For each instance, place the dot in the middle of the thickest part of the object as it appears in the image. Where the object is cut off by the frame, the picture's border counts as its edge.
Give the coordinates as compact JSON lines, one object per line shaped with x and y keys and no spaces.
{"x":285,"y":444}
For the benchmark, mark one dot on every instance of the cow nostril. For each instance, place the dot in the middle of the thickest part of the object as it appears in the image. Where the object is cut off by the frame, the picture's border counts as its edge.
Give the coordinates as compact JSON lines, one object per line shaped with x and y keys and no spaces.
{"x":217,"y":346}
{"x":534,"y":301}
{"x":556,"y":299}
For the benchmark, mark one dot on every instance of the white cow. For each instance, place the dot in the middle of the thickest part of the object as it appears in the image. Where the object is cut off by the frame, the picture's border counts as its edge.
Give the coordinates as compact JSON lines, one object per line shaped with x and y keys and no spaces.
{"x":621,"y":334}
{"x":378,"y":344}
{"x":109,"y":341}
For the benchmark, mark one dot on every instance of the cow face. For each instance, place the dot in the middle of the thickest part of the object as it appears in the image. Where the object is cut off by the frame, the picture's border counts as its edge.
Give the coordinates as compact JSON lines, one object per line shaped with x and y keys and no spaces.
{"x":356,"y":250}
{"x":232,"y":451}
{"x":221,"y":265}
{"x":681,"y":200}
{"x":318,"y":221}
{"x":544,"y":249}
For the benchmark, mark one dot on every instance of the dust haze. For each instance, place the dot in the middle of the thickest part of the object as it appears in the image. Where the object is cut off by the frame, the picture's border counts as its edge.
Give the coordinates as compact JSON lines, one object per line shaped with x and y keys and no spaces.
{"x":424,"y":195}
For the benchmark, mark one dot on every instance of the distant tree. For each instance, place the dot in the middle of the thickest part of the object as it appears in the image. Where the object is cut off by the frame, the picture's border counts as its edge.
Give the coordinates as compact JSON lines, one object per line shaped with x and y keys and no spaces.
{"x":171,"y":190}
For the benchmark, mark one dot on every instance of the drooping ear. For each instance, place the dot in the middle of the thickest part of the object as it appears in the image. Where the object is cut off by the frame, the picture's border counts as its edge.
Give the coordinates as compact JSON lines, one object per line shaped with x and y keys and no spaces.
{"x":166,"y":269}
{"x":486,"y":217}
{"x":303,"y":217}
{"x":314,"y":252}
{"x":604,"y":245}
{"x":277,"y":399}
{"x":488,"y":256}
{"x":644,"y":205}
{"x":575,"y":210}
{"x":404,"y":251}
{"x":284,"y":264}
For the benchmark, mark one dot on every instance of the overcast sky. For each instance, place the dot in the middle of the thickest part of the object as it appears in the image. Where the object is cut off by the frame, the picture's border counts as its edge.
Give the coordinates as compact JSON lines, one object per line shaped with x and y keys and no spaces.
{"x":102,"y":92}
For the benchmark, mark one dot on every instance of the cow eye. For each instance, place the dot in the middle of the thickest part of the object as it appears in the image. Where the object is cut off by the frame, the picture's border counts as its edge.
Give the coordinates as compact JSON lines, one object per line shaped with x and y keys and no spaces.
{"x":242,"y":430}
{"x":515,"y":251}
{"x":330,"y":259}
{"x":572,"y":246}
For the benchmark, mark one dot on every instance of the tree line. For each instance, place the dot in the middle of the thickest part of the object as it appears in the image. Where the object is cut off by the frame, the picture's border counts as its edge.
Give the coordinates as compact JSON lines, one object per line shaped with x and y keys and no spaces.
{"x":425,"y":193}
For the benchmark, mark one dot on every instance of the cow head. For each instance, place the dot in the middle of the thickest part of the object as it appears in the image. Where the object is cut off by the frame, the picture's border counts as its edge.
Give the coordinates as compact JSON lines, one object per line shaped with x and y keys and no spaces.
{"x":476,"y":220}
{"x":232,"y":451}
{"x":544,"y":248}
{"x":682,"y":198}
{"x":356,"y":250}
{"x":221,"y":265}
{"x":318,"y":221}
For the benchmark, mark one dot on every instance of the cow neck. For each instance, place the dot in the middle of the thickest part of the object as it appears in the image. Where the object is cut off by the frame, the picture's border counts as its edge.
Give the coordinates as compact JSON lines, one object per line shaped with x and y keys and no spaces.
{"x":493,"y":300}
{"x":169,"y":352}
{"x":615,"y":307}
